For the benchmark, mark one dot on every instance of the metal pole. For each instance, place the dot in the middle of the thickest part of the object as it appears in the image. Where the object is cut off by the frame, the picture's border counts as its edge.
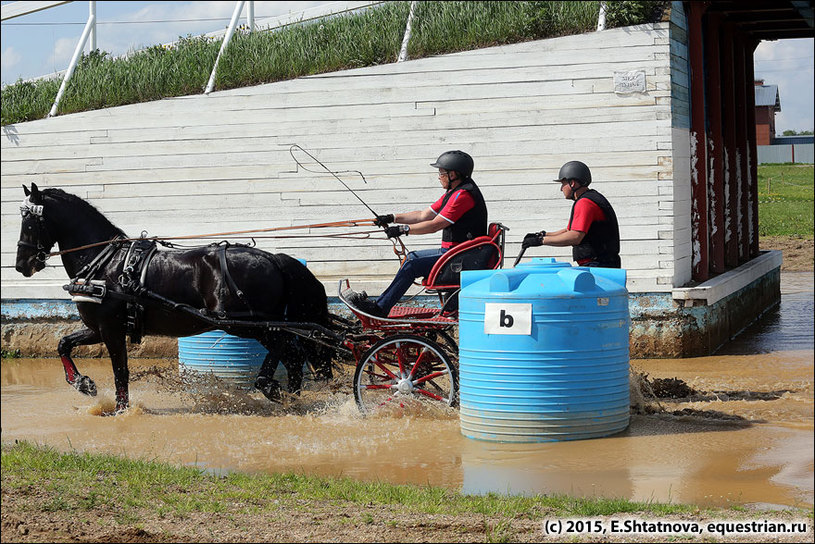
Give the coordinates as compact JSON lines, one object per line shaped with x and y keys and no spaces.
{"x":406,"y":38}
{"x":232,"y":24}
{"x":92,"y":9}
{"x":77,"y":52}
{"x":601,"y":18}
{"x":250,"y":15}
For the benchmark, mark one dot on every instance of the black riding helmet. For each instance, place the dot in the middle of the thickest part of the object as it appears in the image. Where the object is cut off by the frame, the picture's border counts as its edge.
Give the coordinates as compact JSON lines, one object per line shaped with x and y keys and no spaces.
{"x":459,"y":161}
{"x":575,"y":170}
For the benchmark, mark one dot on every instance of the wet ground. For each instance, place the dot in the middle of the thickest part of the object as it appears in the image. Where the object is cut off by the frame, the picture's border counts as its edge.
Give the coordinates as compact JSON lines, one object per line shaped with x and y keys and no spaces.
{"x":733,"y":428}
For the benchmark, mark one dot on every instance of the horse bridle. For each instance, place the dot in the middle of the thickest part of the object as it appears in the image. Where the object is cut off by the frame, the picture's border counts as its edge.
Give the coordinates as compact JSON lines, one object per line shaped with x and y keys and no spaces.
{"x":36,"y":210}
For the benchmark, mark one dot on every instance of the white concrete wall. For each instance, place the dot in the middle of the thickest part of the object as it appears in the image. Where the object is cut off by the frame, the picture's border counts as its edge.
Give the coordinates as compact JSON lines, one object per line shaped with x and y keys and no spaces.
{"x":221,"y":162}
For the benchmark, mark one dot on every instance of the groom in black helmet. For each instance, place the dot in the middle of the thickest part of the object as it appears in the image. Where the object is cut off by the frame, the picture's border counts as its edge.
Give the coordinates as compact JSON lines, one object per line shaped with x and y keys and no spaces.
{"x":592,"y":231}
{"x":461,"y":215}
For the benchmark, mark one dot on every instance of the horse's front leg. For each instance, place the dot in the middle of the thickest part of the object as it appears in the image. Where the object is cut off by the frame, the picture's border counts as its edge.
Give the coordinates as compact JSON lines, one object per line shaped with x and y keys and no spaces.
{"x":85,"y":337}
{"x":115,"y":341}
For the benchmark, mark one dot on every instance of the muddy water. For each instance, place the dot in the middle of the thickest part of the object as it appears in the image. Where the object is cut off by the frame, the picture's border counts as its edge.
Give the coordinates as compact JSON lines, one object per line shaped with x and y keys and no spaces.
{"x":744,"y":434}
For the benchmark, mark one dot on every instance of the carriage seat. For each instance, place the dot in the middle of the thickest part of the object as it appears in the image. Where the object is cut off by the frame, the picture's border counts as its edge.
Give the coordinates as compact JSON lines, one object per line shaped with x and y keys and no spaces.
{"x":482,"y":253}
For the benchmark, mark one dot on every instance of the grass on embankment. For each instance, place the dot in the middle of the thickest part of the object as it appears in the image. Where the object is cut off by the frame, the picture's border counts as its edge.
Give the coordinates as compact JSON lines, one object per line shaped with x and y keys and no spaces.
{"x":785,"y":200}
{"x":364,"y":38}
{"x":77,"y":483}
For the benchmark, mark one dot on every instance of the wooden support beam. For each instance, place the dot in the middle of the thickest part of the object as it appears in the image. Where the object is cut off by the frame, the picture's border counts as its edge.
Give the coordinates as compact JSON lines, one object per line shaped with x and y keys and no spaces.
{"x":730,"y":133}
{"x":752,"y":180}
{"x":746,"y":131}
{"x":715,"y":141}
{"x":699,"y":210}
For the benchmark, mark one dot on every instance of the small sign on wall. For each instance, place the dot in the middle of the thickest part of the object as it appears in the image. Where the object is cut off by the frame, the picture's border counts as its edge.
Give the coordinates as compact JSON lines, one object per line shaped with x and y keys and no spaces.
{"x":629,"y":82}
{"x":507,"y":318}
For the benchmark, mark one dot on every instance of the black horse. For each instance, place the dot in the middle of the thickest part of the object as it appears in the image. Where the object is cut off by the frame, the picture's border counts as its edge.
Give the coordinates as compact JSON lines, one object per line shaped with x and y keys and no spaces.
{"x":126,"y":287}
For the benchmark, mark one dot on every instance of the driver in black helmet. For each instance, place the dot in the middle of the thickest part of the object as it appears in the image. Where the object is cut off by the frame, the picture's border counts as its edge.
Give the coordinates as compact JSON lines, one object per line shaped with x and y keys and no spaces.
{"x":461,"y":215}
{"x":592,"y":231}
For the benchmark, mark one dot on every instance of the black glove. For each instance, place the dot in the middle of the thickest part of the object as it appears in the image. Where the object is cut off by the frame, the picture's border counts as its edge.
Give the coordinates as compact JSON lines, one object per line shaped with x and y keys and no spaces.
{"x":533,"y":239}
{"x":397,"y":230}
{"x":383,"y":220}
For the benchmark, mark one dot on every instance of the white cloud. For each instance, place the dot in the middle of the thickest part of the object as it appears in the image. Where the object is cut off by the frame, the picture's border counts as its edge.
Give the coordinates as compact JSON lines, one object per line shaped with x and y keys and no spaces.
{"x":10,"y":57}
{"x":61,"y":54}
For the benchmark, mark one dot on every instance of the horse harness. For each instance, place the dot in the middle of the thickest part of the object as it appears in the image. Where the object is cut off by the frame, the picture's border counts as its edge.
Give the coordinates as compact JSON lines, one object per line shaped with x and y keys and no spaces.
{"x":86,"y":287}
{"x":36,"y":210}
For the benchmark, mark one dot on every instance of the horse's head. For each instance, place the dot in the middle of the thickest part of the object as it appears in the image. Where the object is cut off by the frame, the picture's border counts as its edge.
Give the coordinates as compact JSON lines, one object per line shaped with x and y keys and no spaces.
{"x":35,"y":240}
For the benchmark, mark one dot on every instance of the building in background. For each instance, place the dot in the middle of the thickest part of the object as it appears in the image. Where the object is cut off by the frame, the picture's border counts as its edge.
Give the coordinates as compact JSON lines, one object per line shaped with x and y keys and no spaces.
{"x":772,"y":149}
{"x":767,"y":104}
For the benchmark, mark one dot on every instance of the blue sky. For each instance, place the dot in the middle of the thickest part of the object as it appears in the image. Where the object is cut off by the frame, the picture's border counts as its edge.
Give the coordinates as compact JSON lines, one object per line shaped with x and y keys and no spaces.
{"x":33,"y":46}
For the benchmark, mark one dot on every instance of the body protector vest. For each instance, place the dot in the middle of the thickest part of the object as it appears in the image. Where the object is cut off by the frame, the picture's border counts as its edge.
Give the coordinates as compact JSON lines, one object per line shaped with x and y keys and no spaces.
{"x":602,"y":242}
{"x":473,"y":223}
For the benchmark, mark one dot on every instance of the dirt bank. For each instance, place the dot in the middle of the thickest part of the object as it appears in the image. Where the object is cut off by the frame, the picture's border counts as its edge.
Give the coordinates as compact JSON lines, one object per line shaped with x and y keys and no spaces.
{"x":798,"y":253}
{"x":330,"y":521}
{"x":39,"y":338}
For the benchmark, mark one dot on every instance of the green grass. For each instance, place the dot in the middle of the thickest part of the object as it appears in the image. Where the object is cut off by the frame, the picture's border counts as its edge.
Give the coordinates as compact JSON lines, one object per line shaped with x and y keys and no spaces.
{"x":785,"y":199}
{"x":80,"y":482}
{"x":365,"y":38}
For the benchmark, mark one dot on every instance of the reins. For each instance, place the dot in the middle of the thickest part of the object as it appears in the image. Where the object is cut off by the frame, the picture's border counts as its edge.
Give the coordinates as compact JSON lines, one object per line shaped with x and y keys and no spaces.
{"x":165,"y":239}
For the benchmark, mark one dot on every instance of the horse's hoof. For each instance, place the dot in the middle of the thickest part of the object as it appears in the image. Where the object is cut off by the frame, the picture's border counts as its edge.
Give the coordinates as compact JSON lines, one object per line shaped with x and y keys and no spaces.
{"x":269,"y":387}
{"x":295,"y":391}
{"x":85,"y":385}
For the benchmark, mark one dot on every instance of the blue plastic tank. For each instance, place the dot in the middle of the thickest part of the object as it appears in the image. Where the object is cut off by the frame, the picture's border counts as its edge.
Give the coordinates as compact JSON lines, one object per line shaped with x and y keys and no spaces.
{"x":235,"y":359}
{"x":543,"y":352}
{"x":226,"y":356}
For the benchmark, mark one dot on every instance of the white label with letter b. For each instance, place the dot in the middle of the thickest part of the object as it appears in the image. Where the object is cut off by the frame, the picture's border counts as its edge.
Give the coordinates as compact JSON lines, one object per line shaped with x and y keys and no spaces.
{"x":507,"y":318}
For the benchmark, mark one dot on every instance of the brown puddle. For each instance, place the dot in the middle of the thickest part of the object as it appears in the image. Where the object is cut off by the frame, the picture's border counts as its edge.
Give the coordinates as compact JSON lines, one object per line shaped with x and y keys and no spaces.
{"x":733,"y":428}
{"x":744,"y":436}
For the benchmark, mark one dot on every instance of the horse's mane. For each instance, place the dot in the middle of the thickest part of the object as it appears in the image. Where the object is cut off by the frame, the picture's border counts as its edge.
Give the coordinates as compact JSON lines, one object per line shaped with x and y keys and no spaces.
{"x":85,"y":207}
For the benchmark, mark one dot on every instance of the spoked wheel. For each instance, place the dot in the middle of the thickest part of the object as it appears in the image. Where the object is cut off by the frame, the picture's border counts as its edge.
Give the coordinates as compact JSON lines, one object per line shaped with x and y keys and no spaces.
{"x":404,"y":371}
{"x":450,"y":346}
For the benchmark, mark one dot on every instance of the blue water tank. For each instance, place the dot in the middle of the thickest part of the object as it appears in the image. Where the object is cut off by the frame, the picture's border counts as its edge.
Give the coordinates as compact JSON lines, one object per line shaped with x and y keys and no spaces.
{"x":543,"y":352}
{"x":235,"y":359}
{"x":224,"y":355}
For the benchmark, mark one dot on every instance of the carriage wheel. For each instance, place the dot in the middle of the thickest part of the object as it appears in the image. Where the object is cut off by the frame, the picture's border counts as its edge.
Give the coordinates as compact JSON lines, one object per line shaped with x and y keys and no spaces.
{"x":450,"y":345}
{"x":405,"y":371}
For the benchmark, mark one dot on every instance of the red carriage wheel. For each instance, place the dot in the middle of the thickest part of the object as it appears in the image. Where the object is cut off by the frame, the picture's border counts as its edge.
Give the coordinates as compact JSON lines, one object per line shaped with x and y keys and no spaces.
{"x":405,"y":371}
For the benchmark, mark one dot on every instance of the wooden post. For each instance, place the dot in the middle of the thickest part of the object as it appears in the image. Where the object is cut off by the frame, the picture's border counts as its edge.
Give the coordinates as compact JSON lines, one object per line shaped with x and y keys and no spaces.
{"x":746,"y":131}
{"x":731,"y":181}
{"x":699,"y":213}
{"x":715,"y":162}
{"x":751,"y":187}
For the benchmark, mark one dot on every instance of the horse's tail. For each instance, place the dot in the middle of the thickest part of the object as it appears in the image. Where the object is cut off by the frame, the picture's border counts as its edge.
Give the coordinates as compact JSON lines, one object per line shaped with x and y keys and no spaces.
{"x":307,"y":302}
